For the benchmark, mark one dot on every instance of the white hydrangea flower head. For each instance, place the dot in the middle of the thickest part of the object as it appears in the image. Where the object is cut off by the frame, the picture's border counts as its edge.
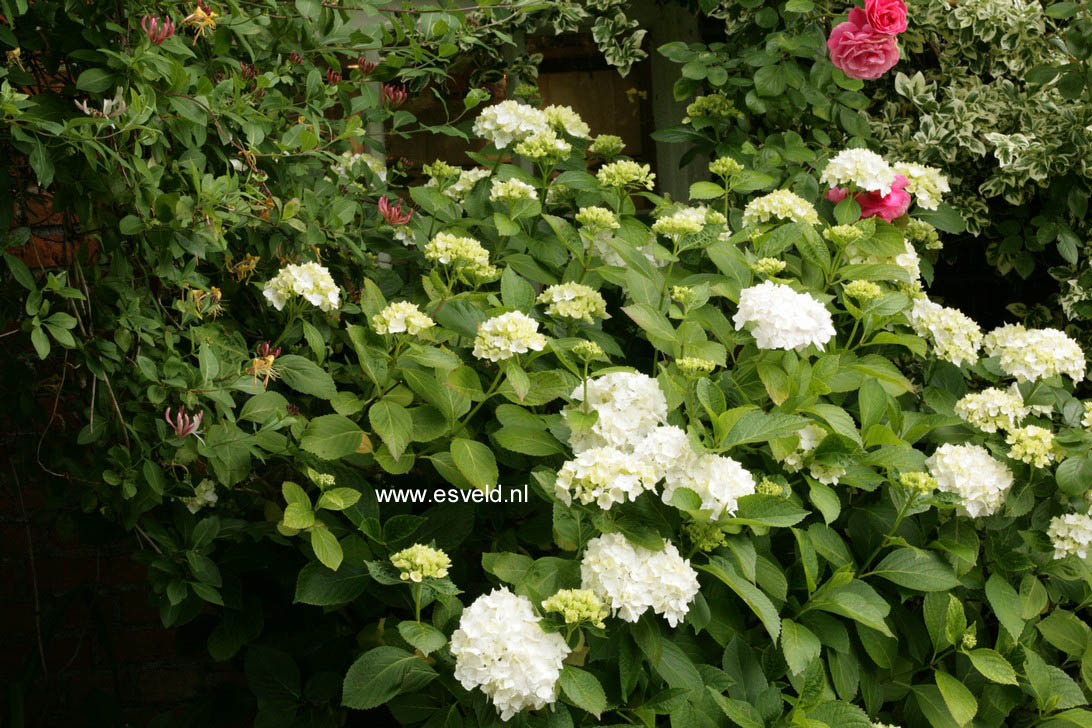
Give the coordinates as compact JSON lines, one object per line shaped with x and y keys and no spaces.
{"x":465,"y":255}
{"x":203,"y":495}
{"x":631,"y":579}
{"x":604,"y":476}
{"x":629,"y":405}
{"x":1031,"y":444}
{"x":506,"y":335}
{"x":927,"y":184}
{"x":667,"y":450}
{"x":992,"y":409}
{"x":401,"y":317}
{"x":1031,"y":354}
{"x":344,"y":167}
{"x":309,"y":280}
{"x":686,"y":221}
{"x":563,"y":118}
{"x":461,"y":187}
{"x":574,"y":300}
{"x":511,"y":190}
{"x":719,"y":481}
{"x":910,"y":262}
{"x":783,"y":318}
{"x":509,"y":121}
{"x":782,"y":204}
{"x":544,"y":145}
{"x":973,"y":474}
{"x":420,"y":562}
{"x":501,"y":648}
{"x":1086,"y":420}
{"x":826,"y":473}
{"x":808,"y":438}
{"x":1071,"y":534}
{"x":955,"y":337}
{"x":860,"y":167}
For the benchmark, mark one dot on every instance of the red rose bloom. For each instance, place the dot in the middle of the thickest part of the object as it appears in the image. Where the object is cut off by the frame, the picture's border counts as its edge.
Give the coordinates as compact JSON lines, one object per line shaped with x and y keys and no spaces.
{"x":886,"y":16}
{"x":859,"y":51}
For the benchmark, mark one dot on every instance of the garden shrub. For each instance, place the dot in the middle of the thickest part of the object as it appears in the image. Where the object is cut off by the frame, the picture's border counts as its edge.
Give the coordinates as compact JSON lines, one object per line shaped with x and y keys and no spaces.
{"x":770,"y":481}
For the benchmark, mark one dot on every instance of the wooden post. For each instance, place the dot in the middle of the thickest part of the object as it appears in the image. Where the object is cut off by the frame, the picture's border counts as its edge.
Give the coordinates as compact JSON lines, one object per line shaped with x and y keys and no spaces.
{"x":667,"y":22}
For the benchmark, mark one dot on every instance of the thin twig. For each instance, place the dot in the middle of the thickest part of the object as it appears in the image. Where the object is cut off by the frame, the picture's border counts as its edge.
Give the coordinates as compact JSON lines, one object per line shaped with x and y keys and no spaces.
{"x":33,"y":569}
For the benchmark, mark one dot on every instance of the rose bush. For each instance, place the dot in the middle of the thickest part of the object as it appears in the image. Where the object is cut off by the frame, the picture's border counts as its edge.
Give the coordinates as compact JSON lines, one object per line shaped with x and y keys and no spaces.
{"x":771,"y":481}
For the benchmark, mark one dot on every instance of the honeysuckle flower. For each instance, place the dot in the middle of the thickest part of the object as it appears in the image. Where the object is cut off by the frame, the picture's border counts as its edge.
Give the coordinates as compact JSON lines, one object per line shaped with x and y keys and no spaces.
{"x":202,"y":19}
{"x":333,"y":78}
{"x":157,"y":30}
{"x":184,"y":425}
{"x":392,"y":214}
{"x":264,"y":349}
{"x":364,"y":66}
{"x":394,"y":96}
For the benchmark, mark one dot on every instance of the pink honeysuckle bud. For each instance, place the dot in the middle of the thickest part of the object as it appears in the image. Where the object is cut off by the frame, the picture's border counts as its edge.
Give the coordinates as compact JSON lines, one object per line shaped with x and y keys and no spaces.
{"x":184,"y":425}
{"x":394,"y":96}
{"x":392,"y":214}
{"x":157,"y":30}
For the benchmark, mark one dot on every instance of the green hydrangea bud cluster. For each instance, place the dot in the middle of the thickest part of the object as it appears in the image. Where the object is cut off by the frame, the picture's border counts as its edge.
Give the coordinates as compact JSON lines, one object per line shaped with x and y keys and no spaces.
{"x":607,"y":146}
{"x":705,"y":536}
{"x":578,"y":605}
{"x":597,"y":218}
{"x":683,"y":295}
{"x":441,"y":171}
{"x":725,"y":167}
{"x":420,"y":562}
{"x":694,"y":367}
{"x":843,"y":235}
{"x":969,"y":640}
{"x":768,"y":266}
{"x":589,"y":351}
{"x":770,"y":487}
{"x":625,"y":173}
{"x":712,"y":106}
{"x":863,"y":290}
{"x":918,"y":481}
{"x":544,"y":145}
{"x":922,"y":234}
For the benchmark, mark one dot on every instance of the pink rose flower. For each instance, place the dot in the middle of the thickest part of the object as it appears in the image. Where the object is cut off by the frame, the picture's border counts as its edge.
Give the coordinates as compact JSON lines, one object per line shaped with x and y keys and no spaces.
{"x":860,"y":51}
{"x":873,"y":204}
{"x":886,"y":16}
